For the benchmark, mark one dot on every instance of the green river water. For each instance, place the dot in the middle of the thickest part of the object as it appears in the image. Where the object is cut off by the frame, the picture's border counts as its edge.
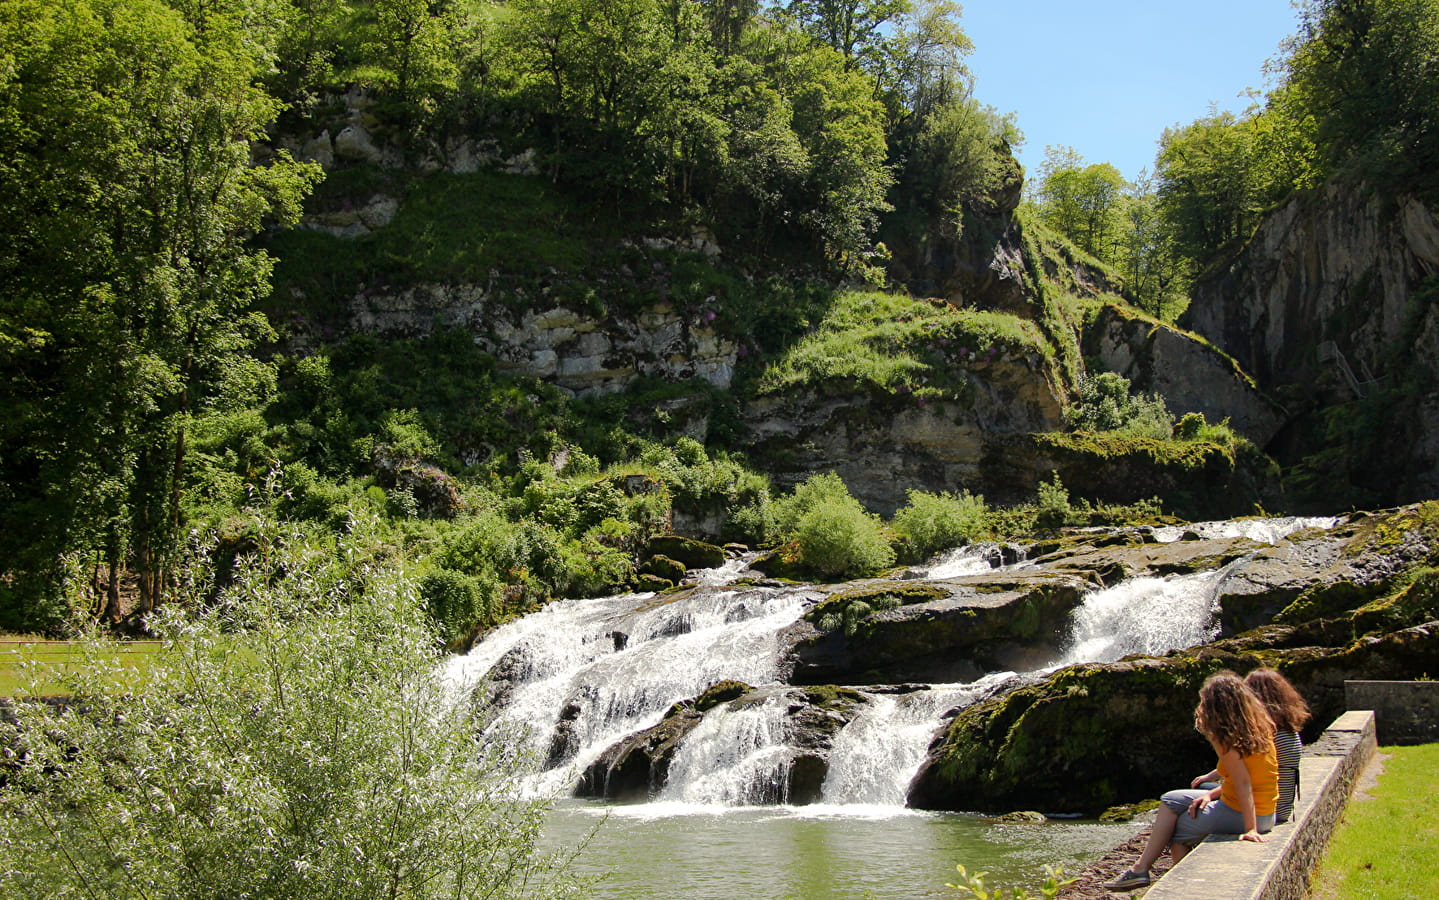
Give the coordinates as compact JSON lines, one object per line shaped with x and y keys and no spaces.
{"x":674,"y":852}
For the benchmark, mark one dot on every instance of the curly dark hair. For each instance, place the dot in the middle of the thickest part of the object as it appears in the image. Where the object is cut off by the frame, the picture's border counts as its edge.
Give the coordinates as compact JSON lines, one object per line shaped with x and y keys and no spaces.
{"x":1232,"y":717}
{"x":1280,"y":699}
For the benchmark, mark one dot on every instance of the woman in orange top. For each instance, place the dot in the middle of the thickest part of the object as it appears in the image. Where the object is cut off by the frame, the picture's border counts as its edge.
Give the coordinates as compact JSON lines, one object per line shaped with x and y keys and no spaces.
{"x":1242,"y":734}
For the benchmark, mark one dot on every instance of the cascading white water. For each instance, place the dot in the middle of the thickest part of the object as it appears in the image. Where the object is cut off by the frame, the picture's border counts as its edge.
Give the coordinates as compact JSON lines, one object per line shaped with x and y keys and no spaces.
{"x":596,"y":671}
{"x":1143,"y":615}
{"x":733,"y":758}
{"x":1267,"y":531}
{"x":614,"y":665}
{"x":875,"y":757}
{"x":971,"y":559}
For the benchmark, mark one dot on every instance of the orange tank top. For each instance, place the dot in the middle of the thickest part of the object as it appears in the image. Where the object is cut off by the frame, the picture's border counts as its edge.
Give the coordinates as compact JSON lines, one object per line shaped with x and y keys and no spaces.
{"x":1263,"y":776}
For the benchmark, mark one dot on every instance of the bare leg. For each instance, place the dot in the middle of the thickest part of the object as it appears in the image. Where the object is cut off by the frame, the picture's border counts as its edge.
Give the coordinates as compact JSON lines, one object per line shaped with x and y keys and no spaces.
{"x":1178,"y":851}
{"x":1159,"y":836}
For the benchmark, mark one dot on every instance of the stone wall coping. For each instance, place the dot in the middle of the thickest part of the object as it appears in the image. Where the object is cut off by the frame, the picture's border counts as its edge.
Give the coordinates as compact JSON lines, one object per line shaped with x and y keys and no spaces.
{"x":1226,"y":868}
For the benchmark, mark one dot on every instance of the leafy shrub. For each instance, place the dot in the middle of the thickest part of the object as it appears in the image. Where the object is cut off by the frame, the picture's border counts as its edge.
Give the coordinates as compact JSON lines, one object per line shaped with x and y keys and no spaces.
{"x":934,"y":522}
{"x":841,"y":540}
{"x":1105,"y":404}
{"x":293,"y":740}
{"x":457,"y":602}
{"x":1054,"y":505}
{"x":808,"y":494}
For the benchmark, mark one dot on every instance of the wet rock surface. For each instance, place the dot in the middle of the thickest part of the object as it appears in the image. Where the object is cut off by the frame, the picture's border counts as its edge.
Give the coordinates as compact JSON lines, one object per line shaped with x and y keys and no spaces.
{"x":1089,"y":736}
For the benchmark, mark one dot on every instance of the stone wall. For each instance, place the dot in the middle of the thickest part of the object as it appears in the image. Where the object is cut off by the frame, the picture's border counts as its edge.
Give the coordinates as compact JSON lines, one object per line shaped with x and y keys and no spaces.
{"x":1406,"y":712}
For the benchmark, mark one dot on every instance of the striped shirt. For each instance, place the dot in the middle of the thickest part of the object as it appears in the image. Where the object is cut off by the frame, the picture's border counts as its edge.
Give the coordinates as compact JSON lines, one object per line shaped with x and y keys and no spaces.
{"x":1289,"y":749}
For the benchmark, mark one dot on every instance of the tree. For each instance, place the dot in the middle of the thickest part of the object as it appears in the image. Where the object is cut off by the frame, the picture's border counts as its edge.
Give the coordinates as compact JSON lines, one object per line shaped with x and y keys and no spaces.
{"x":1210,"y":183}
{"x":853,"y":27}
{"x":1081,"y":201}
{"x":728,"y":20}
{"x":1154,"y":275}
{"x":125,"y":135}
{"x":296,"y":739}
{"x":1366,"y":72}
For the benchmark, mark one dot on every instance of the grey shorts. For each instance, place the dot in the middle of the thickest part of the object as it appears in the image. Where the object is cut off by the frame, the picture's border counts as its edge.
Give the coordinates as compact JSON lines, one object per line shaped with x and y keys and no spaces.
{"x":1217,"y":818}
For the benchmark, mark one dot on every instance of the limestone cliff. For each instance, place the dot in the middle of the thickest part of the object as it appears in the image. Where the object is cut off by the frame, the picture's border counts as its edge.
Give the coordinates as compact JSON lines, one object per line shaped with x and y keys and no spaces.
{"x":589,"y":336}
{"x":582,"y":353}
{"x":1329,"y":304}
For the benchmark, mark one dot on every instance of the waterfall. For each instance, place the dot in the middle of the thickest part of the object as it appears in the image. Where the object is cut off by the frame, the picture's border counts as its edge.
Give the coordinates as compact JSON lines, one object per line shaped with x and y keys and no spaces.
{"x":1144,"y":615}
{"x":608,"y":667}
{"x":1265,"y":531}
{"x":971,"y":559}
{"x":877,"y":755}
{"x":579,"y":675}
{"x":734,"y":758}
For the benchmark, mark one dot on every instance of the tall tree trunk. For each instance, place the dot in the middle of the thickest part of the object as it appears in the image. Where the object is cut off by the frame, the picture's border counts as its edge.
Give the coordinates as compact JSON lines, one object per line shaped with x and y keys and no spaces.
{"x":112,"y":613}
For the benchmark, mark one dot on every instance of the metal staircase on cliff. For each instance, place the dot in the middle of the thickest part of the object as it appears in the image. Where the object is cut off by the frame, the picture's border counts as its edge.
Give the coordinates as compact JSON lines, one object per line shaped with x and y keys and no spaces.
{"x":1329,"y":352}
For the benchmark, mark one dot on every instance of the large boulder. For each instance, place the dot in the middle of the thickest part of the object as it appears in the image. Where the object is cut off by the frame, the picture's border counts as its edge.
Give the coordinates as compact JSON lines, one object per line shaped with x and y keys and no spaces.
{"x":1190,"y":374}
{"x":1090,"y":737}
{"x":954,"y":630}
{"x":694,"y":554}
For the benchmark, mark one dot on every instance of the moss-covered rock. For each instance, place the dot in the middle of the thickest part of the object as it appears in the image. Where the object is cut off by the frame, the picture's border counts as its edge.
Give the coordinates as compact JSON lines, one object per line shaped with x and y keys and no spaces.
{"x":970,"y":625}
{"x":1128,"y":812}
{"x":1197,"y":479}
{"x":1083,"y":739}
{"x":1089,"y":737}
{"x":781,"y":562}
{"x":692,"y":553}
{"x":648,"y":582}
{"x":721,"y":692}
{"x":844,"y":608}
{"x":671,"y":570}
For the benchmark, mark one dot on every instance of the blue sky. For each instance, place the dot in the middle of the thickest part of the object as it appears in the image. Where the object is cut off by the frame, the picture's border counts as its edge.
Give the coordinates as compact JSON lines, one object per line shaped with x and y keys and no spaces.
{"x":1106,"y":77}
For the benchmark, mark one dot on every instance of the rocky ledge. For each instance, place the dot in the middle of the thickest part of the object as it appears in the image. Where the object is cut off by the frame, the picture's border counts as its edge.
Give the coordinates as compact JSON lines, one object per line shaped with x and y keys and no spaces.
{"x":1359,"y":601}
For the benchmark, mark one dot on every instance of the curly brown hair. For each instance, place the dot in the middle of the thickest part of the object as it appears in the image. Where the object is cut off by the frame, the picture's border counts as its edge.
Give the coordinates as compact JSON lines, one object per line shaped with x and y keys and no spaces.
{"x":1280,"y":699}
{"x":1231,"y":716}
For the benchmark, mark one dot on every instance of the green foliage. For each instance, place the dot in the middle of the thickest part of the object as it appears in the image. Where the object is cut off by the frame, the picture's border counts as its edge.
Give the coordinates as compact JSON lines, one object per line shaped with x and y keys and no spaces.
{"x":934,"y":522}
{"x":835,"y":536}
{"x":1082,"y":202}
{"x":956,"y":157}
{"x":1214,"y":181}
{"x":974,"y":886}
{"x":457,"y":602}
{"x":295,"y":740}
{"x":920,"y":348}
{"x":1105,"y":404}
{"x":125,"y":141}
{"x":1362,"y":79}
{"x":1053,"y":501}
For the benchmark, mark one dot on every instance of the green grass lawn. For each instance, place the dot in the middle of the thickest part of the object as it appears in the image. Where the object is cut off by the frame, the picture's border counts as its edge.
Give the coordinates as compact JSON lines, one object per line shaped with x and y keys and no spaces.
{"x":1384,"y":847}
{"x":16,"y":654}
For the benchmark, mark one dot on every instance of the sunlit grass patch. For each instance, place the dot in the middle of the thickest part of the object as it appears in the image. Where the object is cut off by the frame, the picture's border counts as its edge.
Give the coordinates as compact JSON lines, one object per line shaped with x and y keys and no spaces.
{"x":1383,"y":848}
{"x":36,"y":667}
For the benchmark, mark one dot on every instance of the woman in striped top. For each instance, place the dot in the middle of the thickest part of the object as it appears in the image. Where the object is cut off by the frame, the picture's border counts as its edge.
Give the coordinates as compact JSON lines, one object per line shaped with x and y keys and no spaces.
{"x":1289,"y":712}
{"x":1241,"y":733}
